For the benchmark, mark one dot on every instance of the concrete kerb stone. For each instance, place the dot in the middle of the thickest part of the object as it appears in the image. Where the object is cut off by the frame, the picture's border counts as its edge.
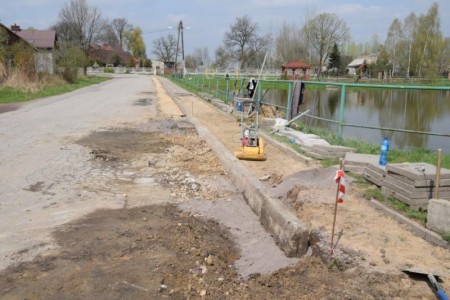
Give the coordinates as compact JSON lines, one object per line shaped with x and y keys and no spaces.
{"x":437,"y":217}
{"x":291,"y":234}
{"x":416,"y":228}
{"x":289,"y":151}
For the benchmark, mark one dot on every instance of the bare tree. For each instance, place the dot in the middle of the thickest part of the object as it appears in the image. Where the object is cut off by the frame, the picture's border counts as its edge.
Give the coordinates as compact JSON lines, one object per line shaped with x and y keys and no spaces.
{"x":289,"y":43}
{"x":323,"y":31}
{"x":79,"y":24}
{"x":108,"y":35}
{"x":392,"y":42}
{"x":240,"y":41}
{"x":165,"y":48}
{"x":120,"y":26}
{"x":222,"y":58}
{"x":201,"y":56}
{"x":409,"y":27}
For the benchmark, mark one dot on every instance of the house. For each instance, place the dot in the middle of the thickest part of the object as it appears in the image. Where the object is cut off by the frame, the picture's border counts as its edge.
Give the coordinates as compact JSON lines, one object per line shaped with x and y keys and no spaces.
{"x":111,"y":55}
{"x":45,"y":41}
{"x":361,"y":62}
{"x":12,"y":38}
{"x":8,"y":41}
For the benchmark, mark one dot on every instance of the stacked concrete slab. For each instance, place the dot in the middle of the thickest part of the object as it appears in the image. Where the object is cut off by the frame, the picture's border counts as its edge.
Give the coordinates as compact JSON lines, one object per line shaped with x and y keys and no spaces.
{"x":375,"y":174}
{"x":314,"y":146}
{"x":357,"y":162}
{"x":414,"y":183}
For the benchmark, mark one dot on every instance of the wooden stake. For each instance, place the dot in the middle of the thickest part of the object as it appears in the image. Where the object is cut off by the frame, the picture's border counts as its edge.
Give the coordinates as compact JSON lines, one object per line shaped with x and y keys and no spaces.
{"x":341,"y":162}
{"x":438,"y":174}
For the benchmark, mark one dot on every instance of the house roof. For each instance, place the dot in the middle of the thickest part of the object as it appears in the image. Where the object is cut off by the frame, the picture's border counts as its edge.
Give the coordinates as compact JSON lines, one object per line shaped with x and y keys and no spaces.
{"x":356,"y":62}
{"x":296,"y":64}
{"x":13,"y":37}
{"x":39,"y":38}
{"x":107,"y":53}
{"x":363,"y":59}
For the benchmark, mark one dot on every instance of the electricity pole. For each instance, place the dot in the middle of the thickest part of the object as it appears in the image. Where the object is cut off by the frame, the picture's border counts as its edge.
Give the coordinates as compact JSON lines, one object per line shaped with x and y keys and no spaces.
{"x":180,"y":34}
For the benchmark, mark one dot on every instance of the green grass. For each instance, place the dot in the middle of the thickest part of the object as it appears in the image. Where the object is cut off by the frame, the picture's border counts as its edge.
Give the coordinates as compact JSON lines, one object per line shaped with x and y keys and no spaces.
{"x":395,"y":155}
{"x":10,"y":95}
{"x":446,"y":236}
{"x":418,"y":215}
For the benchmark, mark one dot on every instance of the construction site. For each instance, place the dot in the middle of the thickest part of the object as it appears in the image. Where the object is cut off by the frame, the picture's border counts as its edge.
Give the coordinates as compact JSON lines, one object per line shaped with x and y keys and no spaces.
{"x":197,"y":203}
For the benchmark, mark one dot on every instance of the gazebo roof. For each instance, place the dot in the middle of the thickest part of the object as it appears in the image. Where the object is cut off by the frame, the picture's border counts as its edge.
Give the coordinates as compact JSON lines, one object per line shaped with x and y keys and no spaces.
{"x":296,"y":64}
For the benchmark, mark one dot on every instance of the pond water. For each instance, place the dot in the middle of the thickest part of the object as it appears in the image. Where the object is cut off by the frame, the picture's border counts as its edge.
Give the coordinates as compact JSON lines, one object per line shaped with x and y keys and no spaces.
{"x":424,"y":111}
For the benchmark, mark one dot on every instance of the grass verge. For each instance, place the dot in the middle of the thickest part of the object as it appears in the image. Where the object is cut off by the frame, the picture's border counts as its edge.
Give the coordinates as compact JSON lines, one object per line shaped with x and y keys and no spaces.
{"x":11,"y":95}
{"x":395,"y":155}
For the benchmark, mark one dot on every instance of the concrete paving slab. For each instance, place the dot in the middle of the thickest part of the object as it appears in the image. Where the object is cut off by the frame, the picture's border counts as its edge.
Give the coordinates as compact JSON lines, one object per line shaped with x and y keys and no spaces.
{"x":302,"y":138}
{"x":357,"y":162}
{"x":376,"y":168}
{"x":413,"y":203}
{"x":397,"y":180}
{"x":418,"y":171}
{"x":354,"y":169}
{"x":420,"y":183}
{"x":413,"y":193}
{"x":358,"y":159}
{"x":373,"y":177}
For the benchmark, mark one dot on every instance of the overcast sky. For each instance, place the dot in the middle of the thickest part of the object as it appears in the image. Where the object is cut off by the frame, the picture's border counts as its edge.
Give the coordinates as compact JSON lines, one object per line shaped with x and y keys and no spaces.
{"x":210,"y":19}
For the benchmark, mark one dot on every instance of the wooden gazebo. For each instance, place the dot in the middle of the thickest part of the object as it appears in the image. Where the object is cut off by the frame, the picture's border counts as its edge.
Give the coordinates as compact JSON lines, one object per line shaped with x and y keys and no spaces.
{"x":295,"y":65}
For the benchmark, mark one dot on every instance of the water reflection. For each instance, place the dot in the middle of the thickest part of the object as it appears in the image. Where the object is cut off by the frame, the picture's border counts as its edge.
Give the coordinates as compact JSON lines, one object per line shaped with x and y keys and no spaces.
{"x":426,"y":111}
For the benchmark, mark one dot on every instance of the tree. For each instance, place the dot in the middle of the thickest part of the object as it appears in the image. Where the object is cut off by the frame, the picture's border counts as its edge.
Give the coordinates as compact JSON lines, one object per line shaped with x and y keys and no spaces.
{"x":409,"y":27}
{"x":392,"y":42}
{"x":322,"y":32}
{"x":120,"y":26}
{"x":222,"y":58}
{"x":335,"y":58}
{"x":428,"y":41}
{"x":137,"y":44}
{"x":165,"y":48}
{"x":382,"y":65}
{"x":444,"y":59}
{"x":108,"y":36}
{"x":200,"y":57}
{"x":79,"y":24}
{"x":241,"y":41}
{"x":69,"y":58}
{"x":289,"y":43}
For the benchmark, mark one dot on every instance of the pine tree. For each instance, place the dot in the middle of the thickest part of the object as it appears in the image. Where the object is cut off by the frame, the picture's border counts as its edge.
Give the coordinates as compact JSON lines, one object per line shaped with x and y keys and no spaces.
{"x":335,"y":58}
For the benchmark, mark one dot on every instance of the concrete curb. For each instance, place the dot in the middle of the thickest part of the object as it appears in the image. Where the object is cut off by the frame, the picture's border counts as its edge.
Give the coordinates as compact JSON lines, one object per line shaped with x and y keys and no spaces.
{"x":291,"y":235}
{"x":286,"y":150}
{"x":416,"y":228}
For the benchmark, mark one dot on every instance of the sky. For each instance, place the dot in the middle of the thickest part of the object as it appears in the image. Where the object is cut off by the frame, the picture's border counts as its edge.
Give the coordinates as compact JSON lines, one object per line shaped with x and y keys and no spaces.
{"x":207,"y":21}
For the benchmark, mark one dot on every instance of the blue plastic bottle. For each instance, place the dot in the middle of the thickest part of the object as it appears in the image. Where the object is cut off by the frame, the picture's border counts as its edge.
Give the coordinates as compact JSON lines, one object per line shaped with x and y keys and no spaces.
{"x":384,"y":152}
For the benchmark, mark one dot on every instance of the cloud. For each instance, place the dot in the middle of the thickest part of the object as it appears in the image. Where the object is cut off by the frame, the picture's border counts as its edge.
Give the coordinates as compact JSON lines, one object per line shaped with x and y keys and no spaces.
{"x":355,"y":9}
{"x":279,"y":3}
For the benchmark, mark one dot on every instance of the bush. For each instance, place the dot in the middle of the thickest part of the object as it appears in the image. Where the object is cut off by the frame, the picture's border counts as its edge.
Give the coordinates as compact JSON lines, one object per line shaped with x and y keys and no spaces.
{"x":70,"y":59}
{"x":108,"y":70}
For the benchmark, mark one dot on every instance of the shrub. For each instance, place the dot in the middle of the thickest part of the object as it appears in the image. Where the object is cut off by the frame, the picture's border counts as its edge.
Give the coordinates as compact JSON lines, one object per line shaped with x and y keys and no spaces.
{"x":108,"y":70}
{"x":70,"y":59}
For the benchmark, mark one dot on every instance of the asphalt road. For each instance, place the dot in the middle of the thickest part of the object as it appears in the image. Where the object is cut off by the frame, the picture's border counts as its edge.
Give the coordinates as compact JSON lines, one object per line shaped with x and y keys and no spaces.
{"x":42,"y":169}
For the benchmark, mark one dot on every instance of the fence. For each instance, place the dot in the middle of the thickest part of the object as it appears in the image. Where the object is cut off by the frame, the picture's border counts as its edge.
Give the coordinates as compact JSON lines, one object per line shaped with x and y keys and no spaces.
{"x":226,"y":88}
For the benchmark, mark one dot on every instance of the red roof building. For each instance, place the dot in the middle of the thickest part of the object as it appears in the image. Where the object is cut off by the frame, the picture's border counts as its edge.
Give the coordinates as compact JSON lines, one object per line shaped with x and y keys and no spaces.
{"x":107,"y":54}
{"x":296,"y":65}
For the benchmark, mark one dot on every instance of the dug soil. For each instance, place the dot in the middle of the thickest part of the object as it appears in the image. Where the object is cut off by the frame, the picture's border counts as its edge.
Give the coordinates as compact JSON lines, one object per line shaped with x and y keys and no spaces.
{"x":154,"y":247}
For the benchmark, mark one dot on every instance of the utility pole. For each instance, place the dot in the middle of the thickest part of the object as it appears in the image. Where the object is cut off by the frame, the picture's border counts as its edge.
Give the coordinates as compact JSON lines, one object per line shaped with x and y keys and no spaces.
{"x":180,"y":35}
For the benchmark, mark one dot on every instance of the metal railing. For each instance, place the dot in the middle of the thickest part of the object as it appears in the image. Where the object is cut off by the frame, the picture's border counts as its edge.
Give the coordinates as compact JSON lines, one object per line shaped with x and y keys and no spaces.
{"x":220,"y":87}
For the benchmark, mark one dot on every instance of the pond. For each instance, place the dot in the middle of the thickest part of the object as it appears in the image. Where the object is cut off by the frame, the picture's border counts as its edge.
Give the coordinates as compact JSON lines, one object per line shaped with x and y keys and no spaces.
{"x":416,"y":110}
